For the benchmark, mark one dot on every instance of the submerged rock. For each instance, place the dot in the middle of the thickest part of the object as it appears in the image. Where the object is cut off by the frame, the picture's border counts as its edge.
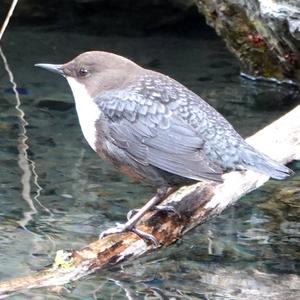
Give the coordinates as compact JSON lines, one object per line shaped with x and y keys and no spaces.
{"x":55,"y":105}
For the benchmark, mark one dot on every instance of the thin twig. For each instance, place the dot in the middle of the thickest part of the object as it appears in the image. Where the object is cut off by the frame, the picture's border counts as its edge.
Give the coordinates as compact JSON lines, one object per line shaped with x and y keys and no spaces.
{"x":9,"y":14}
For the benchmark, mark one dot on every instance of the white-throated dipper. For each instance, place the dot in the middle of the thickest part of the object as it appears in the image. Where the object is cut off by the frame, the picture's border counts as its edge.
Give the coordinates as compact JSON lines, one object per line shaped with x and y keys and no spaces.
{"x":153,"y":128}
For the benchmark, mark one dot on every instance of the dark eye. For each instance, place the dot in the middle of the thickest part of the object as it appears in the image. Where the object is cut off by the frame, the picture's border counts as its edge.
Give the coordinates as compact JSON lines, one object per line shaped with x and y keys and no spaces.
{"x":83,"y":72}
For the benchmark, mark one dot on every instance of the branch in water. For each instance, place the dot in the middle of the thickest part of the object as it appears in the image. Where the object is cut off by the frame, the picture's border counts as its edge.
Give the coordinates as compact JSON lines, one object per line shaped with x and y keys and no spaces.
{"x":195,"y":204}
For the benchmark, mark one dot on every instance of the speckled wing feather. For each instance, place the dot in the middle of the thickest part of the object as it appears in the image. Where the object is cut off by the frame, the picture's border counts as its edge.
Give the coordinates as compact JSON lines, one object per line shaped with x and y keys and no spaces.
{"x":146,"y":125}
{"x":168,"y":126}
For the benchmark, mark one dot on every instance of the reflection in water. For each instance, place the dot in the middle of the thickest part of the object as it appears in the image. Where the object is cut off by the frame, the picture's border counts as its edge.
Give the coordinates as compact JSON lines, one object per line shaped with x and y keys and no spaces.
{"x":23,"y":161}
{"x":251,"y":249}
{"x":6,"y":22}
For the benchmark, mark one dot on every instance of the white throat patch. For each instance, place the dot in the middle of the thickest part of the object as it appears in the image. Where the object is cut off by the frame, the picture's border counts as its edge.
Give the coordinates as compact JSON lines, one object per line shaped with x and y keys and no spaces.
{"x":87,"y":111}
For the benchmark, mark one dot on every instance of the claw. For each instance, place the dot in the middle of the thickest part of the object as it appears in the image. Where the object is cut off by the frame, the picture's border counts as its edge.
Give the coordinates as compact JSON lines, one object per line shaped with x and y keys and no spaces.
{"x":167,"y":208}
{"x":120,"y":228}
{"x":131,"y":213}
{"x":146,"y":236}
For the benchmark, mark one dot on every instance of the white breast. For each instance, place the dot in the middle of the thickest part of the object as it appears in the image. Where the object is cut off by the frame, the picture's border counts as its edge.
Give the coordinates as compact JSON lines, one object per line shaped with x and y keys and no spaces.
{"x":87,"y":111}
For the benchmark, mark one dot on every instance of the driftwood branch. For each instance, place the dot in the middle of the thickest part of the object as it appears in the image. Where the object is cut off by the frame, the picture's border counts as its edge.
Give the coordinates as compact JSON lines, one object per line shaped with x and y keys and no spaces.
{"x":195,"y":204}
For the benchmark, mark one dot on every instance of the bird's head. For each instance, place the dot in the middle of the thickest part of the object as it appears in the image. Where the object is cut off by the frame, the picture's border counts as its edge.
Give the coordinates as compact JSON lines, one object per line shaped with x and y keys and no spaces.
{"x":96,"y":71}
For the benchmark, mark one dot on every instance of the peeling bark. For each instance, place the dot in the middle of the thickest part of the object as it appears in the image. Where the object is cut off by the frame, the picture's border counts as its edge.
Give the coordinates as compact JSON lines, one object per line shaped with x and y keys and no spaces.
{"x":196,"y":204}
{"x":263,"y":34}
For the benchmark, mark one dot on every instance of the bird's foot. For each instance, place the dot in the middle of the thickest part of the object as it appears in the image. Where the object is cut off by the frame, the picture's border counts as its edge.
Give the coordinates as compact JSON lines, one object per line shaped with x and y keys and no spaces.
{"x":133,"y":219}
{"x":121,"y":228}
{"x":162,"y":208}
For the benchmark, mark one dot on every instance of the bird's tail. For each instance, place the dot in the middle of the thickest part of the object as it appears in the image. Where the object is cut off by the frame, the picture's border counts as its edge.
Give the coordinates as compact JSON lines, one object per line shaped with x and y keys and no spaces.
{"x":254,"y":160}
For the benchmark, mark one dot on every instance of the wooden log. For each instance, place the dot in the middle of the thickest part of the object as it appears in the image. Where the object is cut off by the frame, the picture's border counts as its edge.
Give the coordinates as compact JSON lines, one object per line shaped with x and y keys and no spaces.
{"x":195,"y":204}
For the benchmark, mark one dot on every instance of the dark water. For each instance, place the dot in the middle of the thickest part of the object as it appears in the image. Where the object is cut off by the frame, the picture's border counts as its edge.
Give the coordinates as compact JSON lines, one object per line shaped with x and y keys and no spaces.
{"x":65,"y":195}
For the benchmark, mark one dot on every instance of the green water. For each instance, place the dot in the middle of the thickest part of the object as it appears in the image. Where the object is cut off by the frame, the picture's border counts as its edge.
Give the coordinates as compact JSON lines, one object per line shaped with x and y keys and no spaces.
{"x":63,"y":195}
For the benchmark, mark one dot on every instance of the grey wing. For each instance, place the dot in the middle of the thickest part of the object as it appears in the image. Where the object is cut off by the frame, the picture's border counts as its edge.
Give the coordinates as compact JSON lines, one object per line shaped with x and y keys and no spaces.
{"x":153,"y":135}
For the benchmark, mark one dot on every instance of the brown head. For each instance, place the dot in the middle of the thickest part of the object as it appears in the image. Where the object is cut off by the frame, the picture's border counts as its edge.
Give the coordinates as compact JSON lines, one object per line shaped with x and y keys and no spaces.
{"x":98,"y":71}
{"x":90,"y":74}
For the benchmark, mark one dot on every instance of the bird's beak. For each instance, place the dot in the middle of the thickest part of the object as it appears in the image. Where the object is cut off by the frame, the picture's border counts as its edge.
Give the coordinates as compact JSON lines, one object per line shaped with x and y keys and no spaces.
{"x":52,"y":68}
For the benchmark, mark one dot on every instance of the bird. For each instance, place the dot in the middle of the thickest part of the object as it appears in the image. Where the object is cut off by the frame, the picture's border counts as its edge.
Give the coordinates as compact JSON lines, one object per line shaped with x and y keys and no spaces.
{"x":154,"y":129}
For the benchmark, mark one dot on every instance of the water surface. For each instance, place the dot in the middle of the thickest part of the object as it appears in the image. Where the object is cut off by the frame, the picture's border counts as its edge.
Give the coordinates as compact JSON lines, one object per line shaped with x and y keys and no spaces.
{"x":63,"y":196}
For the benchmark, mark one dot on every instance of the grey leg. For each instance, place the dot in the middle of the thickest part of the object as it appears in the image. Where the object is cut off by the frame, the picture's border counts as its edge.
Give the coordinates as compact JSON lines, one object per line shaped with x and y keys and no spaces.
{"x":129,"y":225}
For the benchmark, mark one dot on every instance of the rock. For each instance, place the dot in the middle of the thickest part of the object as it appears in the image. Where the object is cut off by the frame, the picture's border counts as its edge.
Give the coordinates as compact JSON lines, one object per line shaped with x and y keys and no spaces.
{"x":294,"y":27}
{"x":55,"y":105}
{"x":263,"y":34}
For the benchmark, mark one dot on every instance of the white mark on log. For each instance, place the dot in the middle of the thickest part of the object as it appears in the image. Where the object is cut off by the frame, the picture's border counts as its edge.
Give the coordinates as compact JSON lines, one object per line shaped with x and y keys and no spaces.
{"x":236,"y":184}
{"x":135,"y":249}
